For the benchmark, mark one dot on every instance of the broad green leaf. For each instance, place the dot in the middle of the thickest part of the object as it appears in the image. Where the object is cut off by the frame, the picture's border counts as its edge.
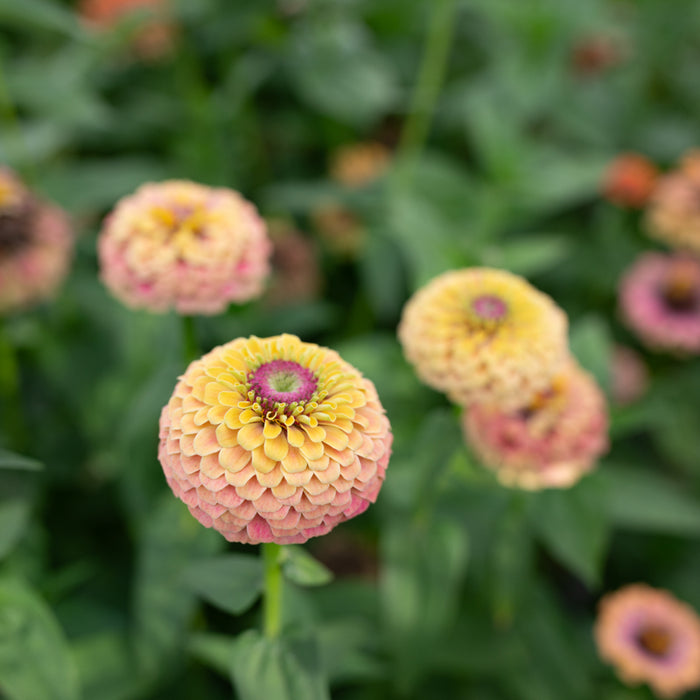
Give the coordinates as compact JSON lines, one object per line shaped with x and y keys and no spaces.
{"x":35,"y":661}
{"x":572,"y":527}
{"x":231,"y":582}
{"x":301,"y":568}
{"x":163,"y":605}
{"x":640,"y":499}
{"x":10,"y":460}
{"x":215,"y":650}
{"x":277,"y":669}
{"x":17,"y":486}
{"x":347,"y":649}
{"x":41,"y":14}
{"x":529,"y":256}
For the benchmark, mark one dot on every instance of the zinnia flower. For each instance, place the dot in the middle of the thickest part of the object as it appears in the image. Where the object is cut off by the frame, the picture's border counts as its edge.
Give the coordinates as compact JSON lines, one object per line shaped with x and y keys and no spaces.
{"x":183,"y":246}
{"x":152,"y":40}
{"x":629,"y":375}
{"x":35,"y":246}
{"x":552,"y":442}
{"x":595,"y":54}
{"x":629,"y":180}
{"x":274,"y":440}
{"x":359,"y":164}
{"x":660,"y":301}
{"x":674,"y":209}
{"x":483,"y":335}
{"x":649,"y":636}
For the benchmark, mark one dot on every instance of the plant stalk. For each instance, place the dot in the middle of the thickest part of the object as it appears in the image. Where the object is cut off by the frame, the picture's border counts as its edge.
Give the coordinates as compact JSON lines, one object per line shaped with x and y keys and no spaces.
{"x":272,"y":596}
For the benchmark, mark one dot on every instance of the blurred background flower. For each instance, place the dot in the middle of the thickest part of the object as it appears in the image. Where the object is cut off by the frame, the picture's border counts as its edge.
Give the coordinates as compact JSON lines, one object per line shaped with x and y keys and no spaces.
{"x":184,"y":246}
{"x":550,"y":443}
{"x":649,"y":636}
{"x":36,"y":246}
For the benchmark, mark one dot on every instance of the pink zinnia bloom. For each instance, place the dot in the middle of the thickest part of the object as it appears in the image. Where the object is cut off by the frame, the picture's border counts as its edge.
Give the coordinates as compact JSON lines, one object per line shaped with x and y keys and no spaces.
{"x":552,"y":442}
{"x":274,"y":440}
{"x":649,"y":636}
{"x":660,"y":301}
{"x":184,"y":246}
{"x":36,"y":246}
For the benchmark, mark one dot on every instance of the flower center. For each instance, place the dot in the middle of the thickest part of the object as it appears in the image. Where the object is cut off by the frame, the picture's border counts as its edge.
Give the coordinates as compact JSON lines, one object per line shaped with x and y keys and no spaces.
{"x":680,"y":289}
{"x":283,"y":381}
{"x":655,"y":640}
{"x":489,"y":307}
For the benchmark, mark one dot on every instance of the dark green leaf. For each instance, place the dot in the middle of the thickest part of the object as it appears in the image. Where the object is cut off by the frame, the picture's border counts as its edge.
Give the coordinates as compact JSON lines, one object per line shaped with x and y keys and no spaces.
{"x":10,"y":460}
{"x":643,"y":500}
{"x":231,"y":582}
{"x":592,"y":346}
{"x":572,"y":527}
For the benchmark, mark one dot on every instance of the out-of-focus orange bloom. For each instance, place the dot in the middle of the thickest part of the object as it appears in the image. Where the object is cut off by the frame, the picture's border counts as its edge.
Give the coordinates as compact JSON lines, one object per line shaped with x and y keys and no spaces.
{"x":630,"y":180}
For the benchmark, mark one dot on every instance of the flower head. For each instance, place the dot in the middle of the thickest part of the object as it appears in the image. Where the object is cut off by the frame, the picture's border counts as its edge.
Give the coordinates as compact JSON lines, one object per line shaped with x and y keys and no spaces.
{"x":274,"y":440}
{"x":650,"y":636}
{"x":185,"y":246}
{"x":359,"y":164}
{"x":483,"y":335}
{"x":660,"y":301}
{"x":153,"y":39}
{"x":35,"y":246}
{"x":629,"y":180}
{"x":595,"y":54}
{"x":552,"y":442}
{"x":674,"y":210}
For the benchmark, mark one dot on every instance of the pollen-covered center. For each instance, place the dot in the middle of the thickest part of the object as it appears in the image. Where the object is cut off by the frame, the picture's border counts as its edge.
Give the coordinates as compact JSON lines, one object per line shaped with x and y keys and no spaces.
{"x":283,"y":381}
{"x":680,"y":289}
{"x":489,"y":307}
{"x":655,"y":640}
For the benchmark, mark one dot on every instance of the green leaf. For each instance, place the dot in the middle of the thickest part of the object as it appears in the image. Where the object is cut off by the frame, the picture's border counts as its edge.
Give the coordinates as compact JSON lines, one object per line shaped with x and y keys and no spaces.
{"x":642,"y":500}
{"x":533,"y":254}
{"x":591,"y":344}
{"x":231,"y":582}
{"x":570,"y":524}
{"x":35,"y":661}
{"x":163,"y":604}
{"x":301,"y":568}
{"x":215,"y":650}
{"x":41,"y":14}
{"x":10,"y":460}
{"x":277,"y":669}
{"x":16,"y":496}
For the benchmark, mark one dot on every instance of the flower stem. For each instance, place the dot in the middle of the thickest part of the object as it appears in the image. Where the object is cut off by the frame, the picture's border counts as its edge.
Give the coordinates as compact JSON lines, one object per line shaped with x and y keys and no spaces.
{"x":272,"y":601}
{"x":189,"y":339}
{"x":10,"y":398}
{"x":428,"y":85}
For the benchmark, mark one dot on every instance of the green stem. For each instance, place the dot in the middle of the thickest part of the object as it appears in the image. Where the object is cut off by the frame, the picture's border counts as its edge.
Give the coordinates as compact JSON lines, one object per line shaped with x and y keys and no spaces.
{"x":189,"y":339}
{"x":10,"y":398}
{"x":429,"y":82}
{"x":272,"y":601}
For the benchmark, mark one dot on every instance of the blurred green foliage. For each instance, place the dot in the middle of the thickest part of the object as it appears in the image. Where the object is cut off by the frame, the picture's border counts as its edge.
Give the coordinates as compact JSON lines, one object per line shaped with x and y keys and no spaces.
{"x":450,"y":586}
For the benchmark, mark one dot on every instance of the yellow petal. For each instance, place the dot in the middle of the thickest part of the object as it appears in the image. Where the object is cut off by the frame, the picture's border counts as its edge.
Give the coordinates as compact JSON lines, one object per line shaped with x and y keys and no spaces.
{"x":336,"y":438}
{"x":233,"y":458}
{"x":294,"y":462}
{"x":295,"y":436}
{"x":271,"y":430}
{"x":277,"y":448}
{"x":226,"y":436}
{"x":205,"y":442}
{"x":251,"y":436}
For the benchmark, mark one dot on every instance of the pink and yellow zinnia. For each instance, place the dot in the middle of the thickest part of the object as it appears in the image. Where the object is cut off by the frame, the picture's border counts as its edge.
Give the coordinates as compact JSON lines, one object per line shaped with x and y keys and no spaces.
{"x":484,"y":336}
{"x":184,"y":246}
{"x":274,"y":440}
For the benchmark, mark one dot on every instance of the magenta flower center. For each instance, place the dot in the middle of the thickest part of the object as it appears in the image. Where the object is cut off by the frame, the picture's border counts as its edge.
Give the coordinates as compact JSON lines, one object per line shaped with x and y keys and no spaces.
{"x":489,"y":307}
{"x":283,"y":381}
{"x":655,"y":640}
